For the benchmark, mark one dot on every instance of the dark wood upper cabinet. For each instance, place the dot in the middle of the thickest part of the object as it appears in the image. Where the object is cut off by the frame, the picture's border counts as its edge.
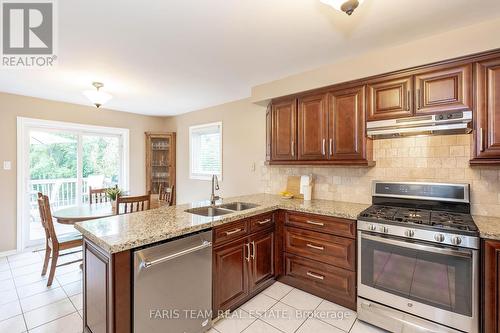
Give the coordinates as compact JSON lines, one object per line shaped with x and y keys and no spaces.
{"x":268,"y":132}
{"x":444,"y":90}
{"x":486,"y":147}
{"x":284,"y":130}
{"x":347,"y":140}
{"x":491,"y":287}
{"x":390,"y":98}
{"x":230,"y":275}
{"x":312,"y":127}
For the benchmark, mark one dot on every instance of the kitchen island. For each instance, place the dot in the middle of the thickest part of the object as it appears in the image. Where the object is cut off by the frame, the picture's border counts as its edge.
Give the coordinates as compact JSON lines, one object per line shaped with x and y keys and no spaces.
{"x":109,"y":244}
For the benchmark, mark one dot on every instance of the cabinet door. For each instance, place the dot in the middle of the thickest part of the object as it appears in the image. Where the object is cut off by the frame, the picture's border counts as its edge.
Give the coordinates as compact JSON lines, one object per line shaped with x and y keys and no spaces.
{"x":347,"y":125}
{"x":312,"y":127}
{"x":261,"y":259}
{"x":491,"y":287}
{"x":390,"y":98}
{"x":487,"y":125}
{"x":444,"y":90}
{"x":284,"y":130}
{"x":230,"y":275}
{"x":268,"y":133}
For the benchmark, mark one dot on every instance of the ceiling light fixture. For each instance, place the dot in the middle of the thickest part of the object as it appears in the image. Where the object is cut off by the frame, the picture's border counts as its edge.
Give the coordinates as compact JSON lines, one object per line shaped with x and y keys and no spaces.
{"x":347,"y":6}
{"x":97,"y":97}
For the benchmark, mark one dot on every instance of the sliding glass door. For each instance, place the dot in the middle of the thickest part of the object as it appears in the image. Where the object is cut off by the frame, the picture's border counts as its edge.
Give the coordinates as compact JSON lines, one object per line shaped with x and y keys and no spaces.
{"x":53,"y":172}
{"x":62,"y":161}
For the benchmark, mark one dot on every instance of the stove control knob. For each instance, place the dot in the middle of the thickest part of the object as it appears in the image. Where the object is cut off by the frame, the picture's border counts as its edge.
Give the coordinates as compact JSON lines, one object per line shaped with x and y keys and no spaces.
{"x":409,"y":233}
{"x":384,"y":229}
{"x":457,"y":240}
{"x":372,"y":227}
{"x":439,"y":238}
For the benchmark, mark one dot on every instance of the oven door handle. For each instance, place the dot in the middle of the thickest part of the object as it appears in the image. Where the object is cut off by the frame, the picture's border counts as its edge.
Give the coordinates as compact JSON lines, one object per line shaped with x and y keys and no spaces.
{"x":416,"y":246}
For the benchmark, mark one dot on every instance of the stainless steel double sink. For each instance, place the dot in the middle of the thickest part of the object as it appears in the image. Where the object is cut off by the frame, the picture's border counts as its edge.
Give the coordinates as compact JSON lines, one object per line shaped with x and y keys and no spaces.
{"x":223,"y":209}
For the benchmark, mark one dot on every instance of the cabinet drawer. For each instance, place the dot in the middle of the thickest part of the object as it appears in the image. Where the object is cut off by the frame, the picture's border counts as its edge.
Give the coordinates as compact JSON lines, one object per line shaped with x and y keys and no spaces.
{"x":230,"y":231}
{"x":333,"y":250}
{"x":332,"y":225}
{"x":261,"y":222}
{"x":335,"y":284}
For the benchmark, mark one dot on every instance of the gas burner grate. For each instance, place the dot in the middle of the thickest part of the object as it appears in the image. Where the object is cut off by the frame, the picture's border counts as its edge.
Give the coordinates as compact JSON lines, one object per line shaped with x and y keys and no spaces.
{"x":417,"y":216}
{"x":449,"y":220}
{"x":380,"y":212}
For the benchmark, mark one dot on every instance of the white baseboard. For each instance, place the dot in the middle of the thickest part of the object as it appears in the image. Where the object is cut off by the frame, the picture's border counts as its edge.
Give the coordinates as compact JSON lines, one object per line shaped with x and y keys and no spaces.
{"x":7,"y":253}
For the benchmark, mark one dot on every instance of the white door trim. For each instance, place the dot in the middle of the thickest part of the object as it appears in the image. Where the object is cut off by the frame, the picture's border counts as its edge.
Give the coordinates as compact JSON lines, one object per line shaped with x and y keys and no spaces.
{"x":24,"y":124}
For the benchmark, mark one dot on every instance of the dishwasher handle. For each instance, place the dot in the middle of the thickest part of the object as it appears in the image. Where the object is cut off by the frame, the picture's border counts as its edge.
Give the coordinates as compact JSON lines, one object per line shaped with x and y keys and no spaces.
{"x":204,"y":245}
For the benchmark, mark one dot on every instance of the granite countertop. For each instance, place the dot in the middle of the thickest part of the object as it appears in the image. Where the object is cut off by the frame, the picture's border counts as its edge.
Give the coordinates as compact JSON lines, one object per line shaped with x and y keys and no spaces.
{"x":124,"y":232}
{"x":489,"y":226}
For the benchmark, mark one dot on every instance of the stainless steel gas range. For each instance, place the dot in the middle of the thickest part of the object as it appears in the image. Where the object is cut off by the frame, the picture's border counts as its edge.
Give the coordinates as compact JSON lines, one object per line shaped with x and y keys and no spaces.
{"x":418,"y":259}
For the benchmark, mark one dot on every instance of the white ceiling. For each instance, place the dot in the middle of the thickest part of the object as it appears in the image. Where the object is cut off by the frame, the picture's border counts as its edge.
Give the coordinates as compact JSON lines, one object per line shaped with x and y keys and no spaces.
{"x":166,"y":57}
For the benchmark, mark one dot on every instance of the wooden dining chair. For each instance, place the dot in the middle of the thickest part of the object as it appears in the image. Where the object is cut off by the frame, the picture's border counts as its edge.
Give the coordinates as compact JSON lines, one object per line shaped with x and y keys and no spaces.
{"x":98,"y":195}
{"x":54,"y":244}
{"x":132,"y":204}
{"x":166,"y":194}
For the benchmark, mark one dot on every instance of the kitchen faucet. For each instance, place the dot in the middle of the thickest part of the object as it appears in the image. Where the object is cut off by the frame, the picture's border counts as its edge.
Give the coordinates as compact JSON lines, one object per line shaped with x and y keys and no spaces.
{"x":215,"y":186}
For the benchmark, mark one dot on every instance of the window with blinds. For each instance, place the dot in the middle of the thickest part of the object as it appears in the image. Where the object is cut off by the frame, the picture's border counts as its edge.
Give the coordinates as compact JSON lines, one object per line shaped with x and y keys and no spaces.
{"x":205,"y":145}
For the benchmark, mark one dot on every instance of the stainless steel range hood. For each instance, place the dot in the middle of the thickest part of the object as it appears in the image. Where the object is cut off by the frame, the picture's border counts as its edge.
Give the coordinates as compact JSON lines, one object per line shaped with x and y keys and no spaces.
{"x":440,"y":124}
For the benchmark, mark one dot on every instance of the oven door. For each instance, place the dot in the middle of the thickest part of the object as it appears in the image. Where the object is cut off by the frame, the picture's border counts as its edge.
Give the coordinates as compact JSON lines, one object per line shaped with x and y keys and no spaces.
{"x":438,"y":283}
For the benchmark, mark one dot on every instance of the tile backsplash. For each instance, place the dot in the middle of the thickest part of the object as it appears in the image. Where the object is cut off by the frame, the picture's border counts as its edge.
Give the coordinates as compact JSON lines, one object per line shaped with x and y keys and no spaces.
{"x":432,"y":159}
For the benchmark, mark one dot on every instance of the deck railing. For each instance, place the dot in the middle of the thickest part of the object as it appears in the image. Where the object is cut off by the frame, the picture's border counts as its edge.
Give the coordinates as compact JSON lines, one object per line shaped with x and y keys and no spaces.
{"x":61,"y":192}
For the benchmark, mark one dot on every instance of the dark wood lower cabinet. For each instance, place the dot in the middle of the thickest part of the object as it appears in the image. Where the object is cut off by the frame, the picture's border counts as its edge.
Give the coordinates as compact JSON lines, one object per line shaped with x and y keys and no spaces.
{"x":310,"y":252}
{"x":319,"y":254}
{"x":107,"y":290}
{"x":491,"y":287}
{"x":262,"y":259}
{"x":230,"y":275}
{"x":326,"y":281}
{"x":243,"y":267}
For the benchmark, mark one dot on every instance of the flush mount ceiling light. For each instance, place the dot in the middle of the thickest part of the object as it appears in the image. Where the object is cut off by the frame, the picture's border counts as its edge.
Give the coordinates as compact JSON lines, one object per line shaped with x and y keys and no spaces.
{"x":347,"y":6}
{"x":97,"y":97}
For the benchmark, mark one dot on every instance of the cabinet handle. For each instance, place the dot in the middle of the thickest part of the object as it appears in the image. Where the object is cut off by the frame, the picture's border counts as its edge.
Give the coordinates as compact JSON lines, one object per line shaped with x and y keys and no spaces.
{"x":481,"y":138}
{"x":228,"y":233}
{"x":316,"y":276}
{"x":264,"y":222}
{"x":253,"y":250}
{"x":330,"y":146}
{"x":409,"y":101}
{"x":321,"y":248}
{"x":323,"y":148}
{"x":293,"y":148}
{"x":321,"y":224}
{"x":247,"y":257}
{"x":418,"y":99}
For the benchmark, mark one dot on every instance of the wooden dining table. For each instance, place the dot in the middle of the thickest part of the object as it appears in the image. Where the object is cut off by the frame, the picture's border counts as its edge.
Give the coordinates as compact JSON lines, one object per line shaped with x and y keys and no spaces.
{"x":83,"y":212}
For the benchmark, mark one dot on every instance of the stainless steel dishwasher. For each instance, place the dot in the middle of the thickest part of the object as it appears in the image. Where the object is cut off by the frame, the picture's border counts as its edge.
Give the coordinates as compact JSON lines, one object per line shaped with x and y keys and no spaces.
{"x":173,"y":286}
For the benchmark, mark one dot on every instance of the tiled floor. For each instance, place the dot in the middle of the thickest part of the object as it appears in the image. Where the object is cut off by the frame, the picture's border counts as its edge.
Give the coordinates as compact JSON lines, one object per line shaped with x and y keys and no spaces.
{"x":28,"y":305}
{"x":284,"y":309}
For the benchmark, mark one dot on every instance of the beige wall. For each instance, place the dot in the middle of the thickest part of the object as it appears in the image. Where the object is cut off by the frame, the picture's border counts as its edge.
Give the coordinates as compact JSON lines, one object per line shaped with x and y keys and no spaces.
{"x":243,"y":141}
{"x":12,"y":106}
{"x":433,"y":159}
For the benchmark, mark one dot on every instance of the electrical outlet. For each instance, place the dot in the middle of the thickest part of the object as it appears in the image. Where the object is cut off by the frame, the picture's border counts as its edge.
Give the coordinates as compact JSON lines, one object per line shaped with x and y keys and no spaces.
{"x":252,"y":168}
{"x":7,"y":165}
